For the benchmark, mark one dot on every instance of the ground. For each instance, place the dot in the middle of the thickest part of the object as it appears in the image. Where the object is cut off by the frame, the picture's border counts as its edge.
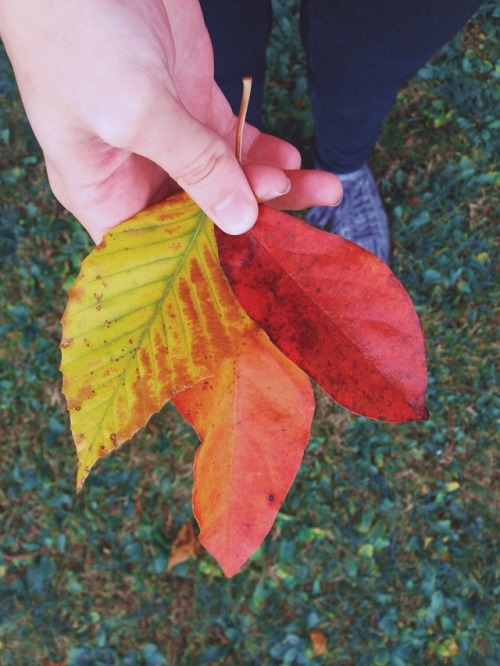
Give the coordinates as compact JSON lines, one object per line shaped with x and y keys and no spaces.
{"x":383,"y":552}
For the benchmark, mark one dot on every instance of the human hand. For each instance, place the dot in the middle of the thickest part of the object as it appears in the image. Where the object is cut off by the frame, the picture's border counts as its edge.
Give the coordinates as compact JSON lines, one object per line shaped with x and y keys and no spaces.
{"x":121,"y":97}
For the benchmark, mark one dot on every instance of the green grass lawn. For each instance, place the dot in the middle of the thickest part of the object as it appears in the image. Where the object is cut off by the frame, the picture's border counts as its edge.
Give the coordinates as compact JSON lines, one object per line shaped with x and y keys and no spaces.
{"x":385,"y":547}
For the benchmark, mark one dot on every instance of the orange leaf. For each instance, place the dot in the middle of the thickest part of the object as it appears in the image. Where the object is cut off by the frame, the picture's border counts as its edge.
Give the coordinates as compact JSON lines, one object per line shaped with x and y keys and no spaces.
{"x":318,"y":641}
{"x":185,"y":546}
{"x":253,"y":419}
{"x":150,"y":314}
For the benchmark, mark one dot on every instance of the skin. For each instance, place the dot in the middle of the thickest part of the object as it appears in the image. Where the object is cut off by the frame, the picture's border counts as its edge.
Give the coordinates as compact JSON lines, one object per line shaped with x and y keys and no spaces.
{"x":122,"y":99}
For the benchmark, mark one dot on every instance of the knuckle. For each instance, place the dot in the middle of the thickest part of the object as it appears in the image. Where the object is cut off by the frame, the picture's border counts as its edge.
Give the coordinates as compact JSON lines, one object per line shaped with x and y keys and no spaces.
{"x":205,"y":167}
{"x":122,"y":126}
{"x":118,"y":131}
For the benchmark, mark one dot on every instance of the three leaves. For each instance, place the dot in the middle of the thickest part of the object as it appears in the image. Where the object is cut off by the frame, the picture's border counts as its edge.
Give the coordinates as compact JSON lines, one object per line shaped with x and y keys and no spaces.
{"x":152,"y":317}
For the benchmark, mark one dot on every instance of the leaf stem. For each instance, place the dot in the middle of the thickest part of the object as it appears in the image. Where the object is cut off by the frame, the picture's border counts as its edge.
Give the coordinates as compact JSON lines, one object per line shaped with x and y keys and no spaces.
{"x":245,"y":99}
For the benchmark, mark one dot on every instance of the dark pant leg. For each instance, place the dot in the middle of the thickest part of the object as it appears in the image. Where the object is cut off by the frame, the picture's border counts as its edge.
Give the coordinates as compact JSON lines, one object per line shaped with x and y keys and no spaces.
{"x":240,"y":31}
{"x":360,"y":53}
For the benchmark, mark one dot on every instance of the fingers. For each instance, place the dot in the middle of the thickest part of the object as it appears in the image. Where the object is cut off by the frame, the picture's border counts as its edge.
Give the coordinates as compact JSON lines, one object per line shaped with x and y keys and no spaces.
{"x":293,"y":189}
{"x":309,"y":188}
{"x":202,"y":163}
{"x":276,"y":163}
{"x":267,"y":149}
{"x":267,"y":182}
{"x":258,"y":147}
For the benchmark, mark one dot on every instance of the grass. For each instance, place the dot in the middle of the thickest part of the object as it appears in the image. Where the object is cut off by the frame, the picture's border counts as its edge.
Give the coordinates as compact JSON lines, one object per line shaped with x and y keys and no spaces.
{"x":385,"y":546}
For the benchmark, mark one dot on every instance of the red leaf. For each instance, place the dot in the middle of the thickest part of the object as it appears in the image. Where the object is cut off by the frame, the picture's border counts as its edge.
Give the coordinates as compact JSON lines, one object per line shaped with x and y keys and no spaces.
{"x":333,"y":308}
{"x":253,"y":419}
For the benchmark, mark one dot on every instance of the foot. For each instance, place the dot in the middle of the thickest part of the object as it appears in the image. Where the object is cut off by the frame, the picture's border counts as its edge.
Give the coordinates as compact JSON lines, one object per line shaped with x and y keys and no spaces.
{"x":360,"y":217}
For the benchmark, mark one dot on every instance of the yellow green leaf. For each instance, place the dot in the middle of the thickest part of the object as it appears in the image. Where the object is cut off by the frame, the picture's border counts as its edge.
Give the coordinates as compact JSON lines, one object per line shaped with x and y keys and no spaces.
{"x":427,"y":541}
{"x":366,"y":550}
{"x":482,"y":257}
{"x":447,"y":649}
{"x":150,"y":314}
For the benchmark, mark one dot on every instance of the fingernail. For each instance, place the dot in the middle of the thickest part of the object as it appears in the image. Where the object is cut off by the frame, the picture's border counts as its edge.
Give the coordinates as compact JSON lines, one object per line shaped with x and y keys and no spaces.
{"x":337,"y":203}
{"x":236,"y":214}
{"x":272,"y":194}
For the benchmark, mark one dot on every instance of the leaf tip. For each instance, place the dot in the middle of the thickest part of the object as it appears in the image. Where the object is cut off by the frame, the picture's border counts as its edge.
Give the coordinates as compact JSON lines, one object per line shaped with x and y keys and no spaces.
{"x":422,"y":413}
{"x":231,"y":568}
{"x":83,"y":471}
{"x":417,"y":409}
{"x":229,"y":572}
{"x":81,"y":477}
{"x":229,"y":560}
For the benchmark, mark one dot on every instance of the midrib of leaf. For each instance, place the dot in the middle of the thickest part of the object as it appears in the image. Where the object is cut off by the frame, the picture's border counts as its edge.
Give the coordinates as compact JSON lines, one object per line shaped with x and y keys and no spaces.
{"x":233,"y":518}
{"x":308,"y":295}
{"x":147,"y":327}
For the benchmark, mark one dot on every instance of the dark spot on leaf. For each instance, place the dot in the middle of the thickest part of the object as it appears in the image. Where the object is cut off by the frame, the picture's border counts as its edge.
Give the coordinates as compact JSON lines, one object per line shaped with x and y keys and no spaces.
{"x":271,"y":498}
{"x":97,"y":307}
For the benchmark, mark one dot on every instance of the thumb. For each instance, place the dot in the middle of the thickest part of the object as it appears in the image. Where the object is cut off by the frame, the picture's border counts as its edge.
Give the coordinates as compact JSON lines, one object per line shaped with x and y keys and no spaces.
{"x":202,"y":164}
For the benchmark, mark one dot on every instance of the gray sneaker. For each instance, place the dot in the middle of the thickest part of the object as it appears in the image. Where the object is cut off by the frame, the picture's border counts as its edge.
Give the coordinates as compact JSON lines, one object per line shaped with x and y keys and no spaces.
{"x":360,"y":217}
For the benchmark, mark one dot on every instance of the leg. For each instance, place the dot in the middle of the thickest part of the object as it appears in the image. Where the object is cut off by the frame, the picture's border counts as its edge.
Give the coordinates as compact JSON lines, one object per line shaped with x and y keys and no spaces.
{"x":360,"y":53}
{"x":240,"y":32}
